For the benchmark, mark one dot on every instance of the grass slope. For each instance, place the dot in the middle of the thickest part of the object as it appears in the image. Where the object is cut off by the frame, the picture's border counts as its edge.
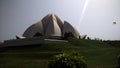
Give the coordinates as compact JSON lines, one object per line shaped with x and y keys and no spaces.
{"x":97,"y":54}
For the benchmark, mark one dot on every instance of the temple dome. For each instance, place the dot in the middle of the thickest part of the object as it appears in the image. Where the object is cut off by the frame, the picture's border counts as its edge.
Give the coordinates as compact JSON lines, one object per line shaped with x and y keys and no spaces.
{"x":50,"y":25}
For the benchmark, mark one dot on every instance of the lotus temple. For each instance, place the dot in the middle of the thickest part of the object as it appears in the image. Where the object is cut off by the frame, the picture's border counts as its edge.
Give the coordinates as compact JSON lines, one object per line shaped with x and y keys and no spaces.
{"x":51,"y":28}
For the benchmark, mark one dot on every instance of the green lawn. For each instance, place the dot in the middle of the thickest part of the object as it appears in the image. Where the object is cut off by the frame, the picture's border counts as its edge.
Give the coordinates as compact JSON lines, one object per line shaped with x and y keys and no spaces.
{"x":97,"y":54}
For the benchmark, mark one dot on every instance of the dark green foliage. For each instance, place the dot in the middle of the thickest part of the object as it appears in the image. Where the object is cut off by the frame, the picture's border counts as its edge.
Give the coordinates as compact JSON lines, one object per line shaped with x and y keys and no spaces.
{"x":68,"y":35}
{"x":66,"y":60}
{"x":75,"y":41}
{"x":98,"y":54}
{"x":118,"y":62}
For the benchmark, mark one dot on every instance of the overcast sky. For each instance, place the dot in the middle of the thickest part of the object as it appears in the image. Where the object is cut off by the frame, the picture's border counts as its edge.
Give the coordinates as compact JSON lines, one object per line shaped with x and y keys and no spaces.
{"x":93,"y":18}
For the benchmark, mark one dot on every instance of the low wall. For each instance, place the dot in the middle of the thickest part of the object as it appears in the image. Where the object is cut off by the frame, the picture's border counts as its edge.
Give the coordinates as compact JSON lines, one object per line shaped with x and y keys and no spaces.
{"x":28,"y":41}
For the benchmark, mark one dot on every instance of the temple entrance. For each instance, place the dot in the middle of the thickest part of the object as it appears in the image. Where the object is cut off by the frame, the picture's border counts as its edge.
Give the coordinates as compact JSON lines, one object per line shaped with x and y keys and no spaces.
{"x":37,"y":34}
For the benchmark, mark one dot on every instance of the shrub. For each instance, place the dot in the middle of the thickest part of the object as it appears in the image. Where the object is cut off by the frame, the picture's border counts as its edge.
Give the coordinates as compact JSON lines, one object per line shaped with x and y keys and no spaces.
{"x":66,"y":60}
{"x":68,"y":35}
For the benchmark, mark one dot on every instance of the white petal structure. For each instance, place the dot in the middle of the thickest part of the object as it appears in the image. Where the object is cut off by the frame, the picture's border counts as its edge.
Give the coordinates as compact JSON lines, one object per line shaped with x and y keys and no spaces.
{"x":69,"y":29}
{"x":34,"y":29}
{"x":51,"y":25}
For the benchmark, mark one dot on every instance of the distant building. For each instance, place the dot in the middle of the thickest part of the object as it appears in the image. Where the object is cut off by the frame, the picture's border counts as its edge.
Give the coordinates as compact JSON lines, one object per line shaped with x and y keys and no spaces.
{"x":50,"y":28}
{"x":51,"y":25}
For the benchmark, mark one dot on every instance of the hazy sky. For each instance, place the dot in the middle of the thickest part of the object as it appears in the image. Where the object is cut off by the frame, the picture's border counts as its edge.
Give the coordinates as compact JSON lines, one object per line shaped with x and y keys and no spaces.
{"x":93,"y":18}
